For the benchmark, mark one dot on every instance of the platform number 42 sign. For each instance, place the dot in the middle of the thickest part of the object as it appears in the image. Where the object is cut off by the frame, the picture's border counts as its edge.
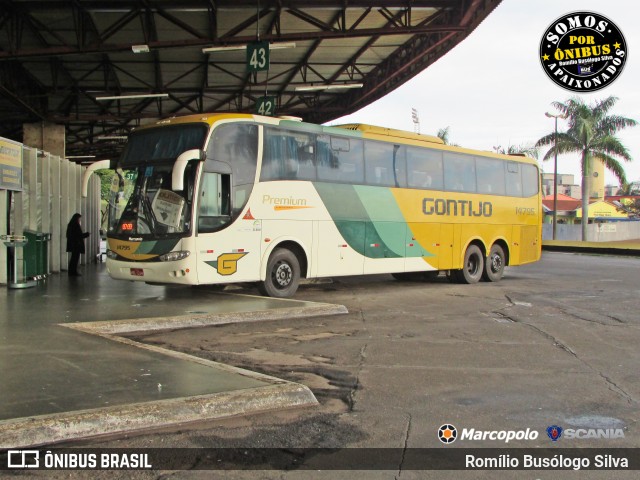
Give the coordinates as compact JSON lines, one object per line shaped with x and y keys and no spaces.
{"x":266,"y":106}
{"x":258,"y":56}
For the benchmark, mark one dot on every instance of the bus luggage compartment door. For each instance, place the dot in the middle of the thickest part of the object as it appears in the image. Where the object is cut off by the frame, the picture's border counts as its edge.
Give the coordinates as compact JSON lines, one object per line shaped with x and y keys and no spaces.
{"x":340,"y":248}
{"x":384,"y":247}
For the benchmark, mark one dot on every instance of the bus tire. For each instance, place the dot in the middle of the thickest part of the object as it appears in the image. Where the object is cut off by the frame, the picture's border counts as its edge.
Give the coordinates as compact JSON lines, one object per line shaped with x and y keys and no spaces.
{"x":282,"y":276}
{"x":494,"y":264}
{"x":472,"y":268}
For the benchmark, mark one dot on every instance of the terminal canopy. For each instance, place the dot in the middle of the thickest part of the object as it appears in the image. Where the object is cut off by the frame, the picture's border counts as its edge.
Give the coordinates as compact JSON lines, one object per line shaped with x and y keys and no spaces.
{"x":102,"y":68}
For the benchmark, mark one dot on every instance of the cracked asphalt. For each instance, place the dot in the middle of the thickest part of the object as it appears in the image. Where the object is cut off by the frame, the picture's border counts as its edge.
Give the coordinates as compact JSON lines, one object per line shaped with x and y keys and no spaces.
{"x":553,"y":343}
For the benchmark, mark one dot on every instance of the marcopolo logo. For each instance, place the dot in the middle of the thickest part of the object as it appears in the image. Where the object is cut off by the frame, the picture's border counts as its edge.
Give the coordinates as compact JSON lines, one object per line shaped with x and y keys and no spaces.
{"x":447,"y":433}
{"x":583,"y":51}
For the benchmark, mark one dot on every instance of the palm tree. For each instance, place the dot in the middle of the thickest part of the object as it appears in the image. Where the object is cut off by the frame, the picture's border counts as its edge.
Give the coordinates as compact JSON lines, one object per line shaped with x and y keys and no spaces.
{"x":632,"y":188}
{"x":518,"y":150}
{"x":443,"y":134}
{"x":591,"y":133}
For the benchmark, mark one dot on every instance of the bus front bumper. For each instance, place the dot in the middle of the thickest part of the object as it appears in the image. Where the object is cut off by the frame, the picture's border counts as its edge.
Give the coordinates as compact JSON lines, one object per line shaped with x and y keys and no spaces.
{"x":178,"y":272}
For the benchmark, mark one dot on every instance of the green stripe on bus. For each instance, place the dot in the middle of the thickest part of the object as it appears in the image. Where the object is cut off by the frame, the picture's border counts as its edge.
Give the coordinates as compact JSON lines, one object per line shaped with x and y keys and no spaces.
{"x":156,"y":246}
{"x":386,"y":216}
{"x":354,"y":223}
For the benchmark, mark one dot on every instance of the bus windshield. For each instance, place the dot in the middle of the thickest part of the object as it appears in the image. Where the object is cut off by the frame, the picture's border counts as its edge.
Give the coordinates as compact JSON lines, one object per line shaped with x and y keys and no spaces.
{"x":153,"y":209}
{"x":162,"y":144}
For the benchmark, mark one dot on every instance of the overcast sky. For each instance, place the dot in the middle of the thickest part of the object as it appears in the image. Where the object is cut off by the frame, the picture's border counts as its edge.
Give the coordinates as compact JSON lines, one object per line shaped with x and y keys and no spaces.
{"x":491,"y":89}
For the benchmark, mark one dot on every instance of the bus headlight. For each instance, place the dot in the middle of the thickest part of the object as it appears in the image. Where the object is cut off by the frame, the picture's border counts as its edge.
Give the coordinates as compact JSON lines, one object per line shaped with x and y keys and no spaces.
{"x":111,"y":254}
{"x":173,"y":256}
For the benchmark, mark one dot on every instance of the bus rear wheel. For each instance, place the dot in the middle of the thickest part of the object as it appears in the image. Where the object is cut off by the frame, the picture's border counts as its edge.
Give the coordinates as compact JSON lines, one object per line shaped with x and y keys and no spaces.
{"x":494,"y":265}
{"x":282,"y":276}
{"x":472,"y":268}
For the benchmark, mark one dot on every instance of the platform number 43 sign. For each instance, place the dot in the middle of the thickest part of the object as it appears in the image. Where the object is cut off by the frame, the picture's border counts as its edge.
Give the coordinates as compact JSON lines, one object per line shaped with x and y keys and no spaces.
{"x":266,"y":106}
{"x":258,"y":56}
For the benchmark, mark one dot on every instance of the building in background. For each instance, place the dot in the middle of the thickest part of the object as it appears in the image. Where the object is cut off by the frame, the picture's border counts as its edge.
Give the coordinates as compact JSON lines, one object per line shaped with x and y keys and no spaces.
{"x":566,"y":185}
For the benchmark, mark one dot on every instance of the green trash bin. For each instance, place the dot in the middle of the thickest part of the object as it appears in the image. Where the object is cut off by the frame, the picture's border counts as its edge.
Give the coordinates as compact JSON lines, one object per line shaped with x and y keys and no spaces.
{"x":35,"y":254}
{"x":30,"y":255}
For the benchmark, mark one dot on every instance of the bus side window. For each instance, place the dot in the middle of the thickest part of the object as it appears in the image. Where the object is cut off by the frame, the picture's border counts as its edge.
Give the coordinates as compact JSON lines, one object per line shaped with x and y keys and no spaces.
{"x":290,"y":162}
{"x":459,"y":172}
{"x":350,"y":155}
{"x":514,"y":179}
{"x":306,"y":154}
{"x":490,"y":176}
{"x":324,"y":156}
{"x":530,"y":178}
{"x":424,"y":168}
{"x":384,"y":164}
{"x":327,"y":162}
{"x":274,"y":152}
{"x":288,"y":155}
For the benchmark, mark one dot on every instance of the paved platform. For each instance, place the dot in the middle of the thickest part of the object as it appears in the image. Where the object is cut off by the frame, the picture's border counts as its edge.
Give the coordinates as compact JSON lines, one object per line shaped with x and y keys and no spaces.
{"x":60,"y":383}
{"x":622,"y":247}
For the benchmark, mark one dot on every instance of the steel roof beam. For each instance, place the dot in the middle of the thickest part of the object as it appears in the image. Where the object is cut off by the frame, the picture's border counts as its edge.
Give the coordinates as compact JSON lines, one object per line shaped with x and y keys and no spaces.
{"x":298,"y":36}
{"x":119,"y":5}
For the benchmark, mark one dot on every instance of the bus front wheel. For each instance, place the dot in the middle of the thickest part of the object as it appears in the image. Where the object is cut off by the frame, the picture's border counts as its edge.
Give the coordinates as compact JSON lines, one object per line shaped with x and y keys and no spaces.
{"x":282,"y":276}
{"x":472,"y":268}
{"x":494,"y":266}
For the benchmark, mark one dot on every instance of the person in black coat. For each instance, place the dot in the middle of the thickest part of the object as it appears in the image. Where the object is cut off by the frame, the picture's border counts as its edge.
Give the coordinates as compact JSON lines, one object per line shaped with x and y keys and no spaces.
{"x":75,"y":243}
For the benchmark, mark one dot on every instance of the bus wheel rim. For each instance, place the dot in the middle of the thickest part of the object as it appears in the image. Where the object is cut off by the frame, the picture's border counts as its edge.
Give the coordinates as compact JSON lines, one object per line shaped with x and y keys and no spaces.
{"x":472,"y":265}
{"x":496,"y":263}
{"x":283,"y":275}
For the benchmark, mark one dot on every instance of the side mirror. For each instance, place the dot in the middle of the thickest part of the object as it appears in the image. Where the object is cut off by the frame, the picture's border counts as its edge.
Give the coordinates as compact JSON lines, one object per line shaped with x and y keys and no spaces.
{"x":86,"y":175}
{"x":177,"y":174}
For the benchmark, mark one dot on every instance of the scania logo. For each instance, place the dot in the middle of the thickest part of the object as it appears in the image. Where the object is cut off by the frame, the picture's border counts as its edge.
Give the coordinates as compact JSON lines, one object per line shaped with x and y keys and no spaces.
{"x":554,"y":432}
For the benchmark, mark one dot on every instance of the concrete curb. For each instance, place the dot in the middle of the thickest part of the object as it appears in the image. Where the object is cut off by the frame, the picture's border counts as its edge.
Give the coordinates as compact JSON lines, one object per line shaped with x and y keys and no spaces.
{"x":47,"y":429}
{"x":81,"y":424}
{"x":203,"y":320}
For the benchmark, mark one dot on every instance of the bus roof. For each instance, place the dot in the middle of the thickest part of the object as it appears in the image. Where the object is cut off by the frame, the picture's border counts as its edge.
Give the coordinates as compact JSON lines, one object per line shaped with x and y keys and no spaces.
{"x":366,"y":131}
{"x":373,"y":131}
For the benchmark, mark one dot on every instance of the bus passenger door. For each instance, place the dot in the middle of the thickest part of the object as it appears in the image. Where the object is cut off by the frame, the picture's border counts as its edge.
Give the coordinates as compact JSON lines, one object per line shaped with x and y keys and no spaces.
{"x":226,"y":252}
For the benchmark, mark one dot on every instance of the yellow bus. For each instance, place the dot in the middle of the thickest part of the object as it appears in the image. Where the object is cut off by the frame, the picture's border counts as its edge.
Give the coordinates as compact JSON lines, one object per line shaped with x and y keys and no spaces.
{"x":224,"y":198}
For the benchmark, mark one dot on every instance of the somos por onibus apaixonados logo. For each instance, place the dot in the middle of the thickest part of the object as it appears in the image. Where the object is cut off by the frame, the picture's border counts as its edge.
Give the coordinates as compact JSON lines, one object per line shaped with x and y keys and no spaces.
{"x":583,"y":51}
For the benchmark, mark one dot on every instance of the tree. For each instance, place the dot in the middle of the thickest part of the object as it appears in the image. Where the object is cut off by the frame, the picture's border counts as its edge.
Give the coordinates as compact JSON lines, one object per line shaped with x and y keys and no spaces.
{"x":518,"y":150}
{"x":591,"y":133}
{"x":106,"y":177}
{"x":630,"y":207}
{"x":443,"y":134}
{"x":632,"y":188}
